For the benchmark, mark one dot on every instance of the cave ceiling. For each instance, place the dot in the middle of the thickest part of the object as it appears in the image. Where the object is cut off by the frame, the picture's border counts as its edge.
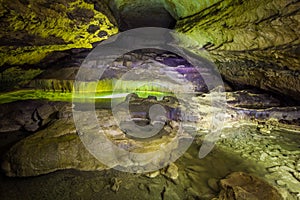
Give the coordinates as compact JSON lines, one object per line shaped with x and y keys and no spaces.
{"x":253,"y":43}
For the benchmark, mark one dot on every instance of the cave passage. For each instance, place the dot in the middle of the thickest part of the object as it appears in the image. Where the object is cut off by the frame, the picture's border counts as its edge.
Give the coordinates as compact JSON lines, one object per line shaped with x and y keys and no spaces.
{"x":144,"y":16}
{"x":70,"y":136}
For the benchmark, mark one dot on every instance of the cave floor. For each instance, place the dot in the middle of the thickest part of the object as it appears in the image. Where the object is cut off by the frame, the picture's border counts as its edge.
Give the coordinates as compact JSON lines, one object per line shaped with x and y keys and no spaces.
{"x":273,"y":157}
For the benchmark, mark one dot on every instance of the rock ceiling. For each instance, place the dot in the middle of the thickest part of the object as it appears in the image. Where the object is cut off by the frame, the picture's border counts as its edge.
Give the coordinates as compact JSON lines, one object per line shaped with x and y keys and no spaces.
{"x":253,"y":43}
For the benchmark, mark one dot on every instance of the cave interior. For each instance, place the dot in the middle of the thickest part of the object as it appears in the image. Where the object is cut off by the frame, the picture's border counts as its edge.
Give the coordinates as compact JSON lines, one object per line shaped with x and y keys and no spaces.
{"x":156,"y":99}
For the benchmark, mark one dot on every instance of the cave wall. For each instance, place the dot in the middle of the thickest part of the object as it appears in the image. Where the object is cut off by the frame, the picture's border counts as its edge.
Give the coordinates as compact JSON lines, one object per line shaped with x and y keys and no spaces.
{"x":183,"y":9}
{"x":254,"y":43}
{"x":32,"y":29}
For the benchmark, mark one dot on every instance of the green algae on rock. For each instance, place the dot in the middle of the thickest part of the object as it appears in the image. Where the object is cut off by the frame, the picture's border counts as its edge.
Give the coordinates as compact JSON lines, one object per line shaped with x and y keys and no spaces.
{"x":35,"y":29}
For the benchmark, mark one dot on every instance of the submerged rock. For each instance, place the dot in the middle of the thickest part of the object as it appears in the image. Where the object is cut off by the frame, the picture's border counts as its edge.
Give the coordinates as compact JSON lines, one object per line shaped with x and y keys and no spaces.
{"x":242,"y":186}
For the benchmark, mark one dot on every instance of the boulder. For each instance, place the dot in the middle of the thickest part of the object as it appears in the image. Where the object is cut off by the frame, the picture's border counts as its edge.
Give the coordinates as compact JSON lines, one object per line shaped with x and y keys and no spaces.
{"x":242,"y":186}
{"x":55,"y":148}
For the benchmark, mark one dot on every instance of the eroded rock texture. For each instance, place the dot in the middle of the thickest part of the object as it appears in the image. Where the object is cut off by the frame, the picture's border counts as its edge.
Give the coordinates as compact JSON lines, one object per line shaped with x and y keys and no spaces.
{"x":253,"y":43}
{"x":55,"y":148}
{"x":28,"y":115}
{"x":182,"y":9}
{"x":30,"y":30}
{"x":241,"y":186}
{"x":52,"y":147}
{"x":58,"y":146}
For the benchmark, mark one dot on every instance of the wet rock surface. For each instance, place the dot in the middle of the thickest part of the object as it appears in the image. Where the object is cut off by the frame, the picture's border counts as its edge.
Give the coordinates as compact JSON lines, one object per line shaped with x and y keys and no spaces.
{"x":110,"y":184}
{"x":52,"y":147}
{"x":192,"y":177}
{"x":58,"y":147}
{"x":55,"y":148}
{"x":277,"y":154}
{"x":241,"y":186}
{"x":251,"y":99}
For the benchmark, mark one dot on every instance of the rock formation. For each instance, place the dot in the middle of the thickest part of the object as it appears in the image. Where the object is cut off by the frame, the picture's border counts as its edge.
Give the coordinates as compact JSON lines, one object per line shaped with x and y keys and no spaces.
{"x":31,"y":30}
{"x":243,"y":186}
{"x":254,"y":44}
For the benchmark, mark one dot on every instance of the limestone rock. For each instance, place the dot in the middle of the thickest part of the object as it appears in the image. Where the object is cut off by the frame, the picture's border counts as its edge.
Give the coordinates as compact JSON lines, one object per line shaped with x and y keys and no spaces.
{"x":252,"y":42}
{"x":170,"y":194}
{"x":55,"y":148}
{"x":115,"y":184}
{"x":171,"y":171}
{"x":28,"y":115}
{"x":239,"y":185}
{"x":34,"y":29}
{"x":183,"y":9}
{"x":249,"y":99}
{"x":59,"y":146}
{"x":213,"y":184}
{"x":153,"y":174}
{"x":16,"y":77}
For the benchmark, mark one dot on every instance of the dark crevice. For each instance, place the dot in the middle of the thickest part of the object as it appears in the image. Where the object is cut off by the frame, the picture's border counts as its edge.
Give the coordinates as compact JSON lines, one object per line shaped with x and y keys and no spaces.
{"x":137,"y":16}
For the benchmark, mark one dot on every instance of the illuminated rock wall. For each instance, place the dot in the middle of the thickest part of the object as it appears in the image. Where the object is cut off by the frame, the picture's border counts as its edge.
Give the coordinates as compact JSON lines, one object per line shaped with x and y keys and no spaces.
{"x":30,"y":30}
{"x":254,"y":43}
